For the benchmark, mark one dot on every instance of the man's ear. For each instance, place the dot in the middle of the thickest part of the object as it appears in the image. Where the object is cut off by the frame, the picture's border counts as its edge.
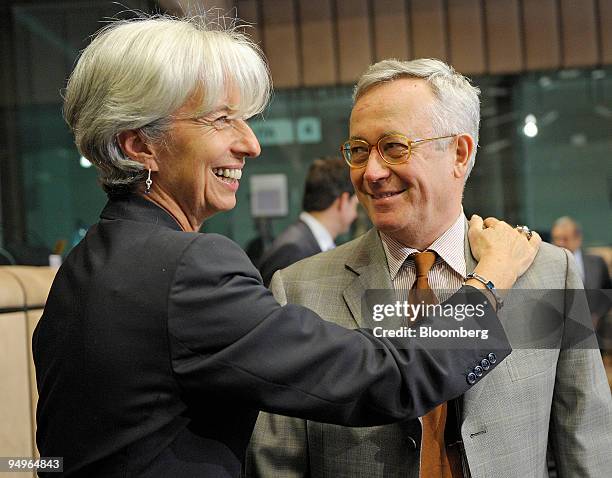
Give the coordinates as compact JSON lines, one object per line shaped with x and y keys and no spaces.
{"x":136,"y":148}
{"x":342,"y":200}
{"x":463,"y":152}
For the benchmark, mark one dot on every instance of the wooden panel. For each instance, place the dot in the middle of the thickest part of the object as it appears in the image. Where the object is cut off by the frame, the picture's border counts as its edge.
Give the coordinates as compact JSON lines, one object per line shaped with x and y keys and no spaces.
{"x":248,"y":12}
{"x":579,"y":30}
{"x":11,"y":292}
{"x":318,"y":53}
{"x":390,"y":30}
{"x":354,"y":40}
{"x":224,"y":6}
{"x":15,"y":396}
{"x":428,"y":24}
{"x":605,"y":30}
{"x":541,"y":30}
{"x":503,"y":36}
{"x":466,"y":35}
{"x":280,"y":41}
{"x":35,"y":281}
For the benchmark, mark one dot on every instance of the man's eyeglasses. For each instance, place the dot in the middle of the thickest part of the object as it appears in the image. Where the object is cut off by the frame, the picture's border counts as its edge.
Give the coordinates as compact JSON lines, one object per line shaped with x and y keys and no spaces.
{"x":393,"y":149}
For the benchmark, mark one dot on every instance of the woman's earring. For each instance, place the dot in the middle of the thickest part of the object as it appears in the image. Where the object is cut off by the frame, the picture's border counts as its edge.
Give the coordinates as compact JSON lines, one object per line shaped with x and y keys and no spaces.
{"x":148,"y":182}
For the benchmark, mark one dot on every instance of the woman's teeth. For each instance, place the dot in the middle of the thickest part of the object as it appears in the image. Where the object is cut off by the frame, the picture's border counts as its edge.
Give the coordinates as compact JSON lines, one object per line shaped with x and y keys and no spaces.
{"x":227,"y":174}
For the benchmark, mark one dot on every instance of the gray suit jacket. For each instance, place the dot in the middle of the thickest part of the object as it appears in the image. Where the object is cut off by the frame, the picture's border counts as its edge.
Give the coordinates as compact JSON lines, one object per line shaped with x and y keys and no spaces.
{"x":505,"y":418}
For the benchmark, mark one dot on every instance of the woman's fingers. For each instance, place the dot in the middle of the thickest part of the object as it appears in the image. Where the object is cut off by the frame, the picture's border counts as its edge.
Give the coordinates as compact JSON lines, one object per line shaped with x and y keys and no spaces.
{"x":491,"y":221}
{"x":476,"y":222}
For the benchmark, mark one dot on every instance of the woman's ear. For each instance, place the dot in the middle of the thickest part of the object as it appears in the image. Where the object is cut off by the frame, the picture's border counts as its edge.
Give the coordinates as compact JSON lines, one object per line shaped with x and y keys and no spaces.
{"x":136,"y":148}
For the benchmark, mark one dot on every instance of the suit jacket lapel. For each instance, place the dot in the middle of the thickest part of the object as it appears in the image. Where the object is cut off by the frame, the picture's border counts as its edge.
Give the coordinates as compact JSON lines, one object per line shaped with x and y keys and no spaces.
{"x":369,"y":264}
{"x":470,"y":262}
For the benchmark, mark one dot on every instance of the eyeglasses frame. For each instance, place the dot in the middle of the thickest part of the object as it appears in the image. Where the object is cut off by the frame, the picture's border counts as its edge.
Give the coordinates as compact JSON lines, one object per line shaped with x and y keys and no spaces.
{"x":410,"y":142}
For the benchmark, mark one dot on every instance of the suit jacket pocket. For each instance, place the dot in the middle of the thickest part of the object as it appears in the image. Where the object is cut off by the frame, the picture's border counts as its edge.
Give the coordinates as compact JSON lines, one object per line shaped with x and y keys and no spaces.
{"x":526,"y":363}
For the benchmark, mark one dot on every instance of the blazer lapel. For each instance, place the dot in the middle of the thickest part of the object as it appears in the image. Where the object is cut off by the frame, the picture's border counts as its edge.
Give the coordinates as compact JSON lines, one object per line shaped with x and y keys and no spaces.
{"x":470,"y":262}
{"x":369,"y":264}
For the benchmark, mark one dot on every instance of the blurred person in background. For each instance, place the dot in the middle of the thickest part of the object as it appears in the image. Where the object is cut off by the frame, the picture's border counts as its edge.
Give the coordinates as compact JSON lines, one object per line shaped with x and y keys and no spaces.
{"x":567,"y":233}
{"x":329,"y":208}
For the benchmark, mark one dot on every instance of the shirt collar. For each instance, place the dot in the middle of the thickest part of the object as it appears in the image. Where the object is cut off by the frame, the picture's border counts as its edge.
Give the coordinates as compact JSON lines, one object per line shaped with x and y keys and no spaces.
{"x":321,"y":234}
{"x":580,"y":262}
{"x":449,"y":247}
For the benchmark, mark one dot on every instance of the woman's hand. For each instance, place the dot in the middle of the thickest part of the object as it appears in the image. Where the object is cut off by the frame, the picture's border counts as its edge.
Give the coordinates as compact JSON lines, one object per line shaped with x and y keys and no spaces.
{"x":503,"y":253}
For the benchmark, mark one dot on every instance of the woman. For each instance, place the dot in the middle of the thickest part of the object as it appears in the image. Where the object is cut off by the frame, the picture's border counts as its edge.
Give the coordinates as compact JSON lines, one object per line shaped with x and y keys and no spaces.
{"x":159,"y":345}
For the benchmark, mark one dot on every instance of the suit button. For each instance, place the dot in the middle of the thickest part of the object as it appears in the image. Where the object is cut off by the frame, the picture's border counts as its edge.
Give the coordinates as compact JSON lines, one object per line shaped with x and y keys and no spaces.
{"x":478,"y":371}
{"x":471,"y":378}
{"x":485,"y":364}
{"x":492,"y":357}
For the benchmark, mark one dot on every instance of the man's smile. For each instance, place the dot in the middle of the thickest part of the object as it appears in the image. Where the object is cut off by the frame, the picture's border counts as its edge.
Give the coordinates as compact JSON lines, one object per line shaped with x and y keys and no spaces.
{"x":385,"y":194}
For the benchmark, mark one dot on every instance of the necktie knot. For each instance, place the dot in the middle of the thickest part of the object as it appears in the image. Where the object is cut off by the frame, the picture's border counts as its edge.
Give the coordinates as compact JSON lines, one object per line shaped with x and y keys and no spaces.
{"x":424,"y":261}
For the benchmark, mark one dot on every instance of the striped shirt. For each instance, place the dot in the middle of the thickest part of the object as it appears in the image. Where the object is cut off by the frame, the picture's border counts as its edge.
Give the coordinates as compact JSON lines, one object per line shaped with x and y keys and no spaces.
{"x":448,"y":272}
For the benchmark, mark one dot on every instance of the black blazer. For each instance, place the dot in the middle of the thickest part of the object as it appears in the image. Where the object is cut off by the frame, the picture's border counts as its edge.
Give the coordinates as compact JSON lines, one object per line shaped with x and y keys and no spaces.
{"x":294,"y":244}
{"x":158,"y":347}
{"x":596,"y":272}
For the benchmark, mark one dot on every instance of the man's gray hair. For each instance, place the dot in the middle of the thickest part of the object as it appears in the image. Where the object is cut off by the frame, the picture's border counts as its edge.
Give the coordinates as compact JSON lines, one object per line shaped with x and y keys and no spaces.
{"x":458,"y":107}
{"x":136,"y":73}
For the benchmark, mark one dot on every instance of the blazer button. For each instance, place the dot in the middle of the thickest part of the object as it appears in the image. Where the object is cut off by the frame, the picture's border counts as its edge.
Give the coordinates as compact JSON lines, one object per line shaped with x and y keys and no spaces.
{"x":485,"y":364}
{"x":478,"y":371}
{"x":492,"y":357}
{"x":471,"y":378}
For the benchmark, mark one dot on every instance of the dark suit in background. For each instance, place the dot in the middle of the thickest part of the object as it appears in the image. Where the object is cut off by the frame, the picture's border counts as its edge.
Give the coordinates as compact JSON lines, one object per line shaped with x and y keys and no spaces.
{"x":596,"y":278}
{"x":596,"y":274}
{"x":329,"y":208}
{"x":294,"y":244}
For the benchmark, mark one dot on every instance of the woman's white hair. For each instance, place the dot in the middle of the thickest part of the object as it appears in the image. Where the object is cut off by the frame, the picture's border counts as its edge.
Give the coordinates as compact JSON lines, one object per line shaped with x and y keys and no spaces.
{"x":136,"y":73}
{"x":457,"y":109}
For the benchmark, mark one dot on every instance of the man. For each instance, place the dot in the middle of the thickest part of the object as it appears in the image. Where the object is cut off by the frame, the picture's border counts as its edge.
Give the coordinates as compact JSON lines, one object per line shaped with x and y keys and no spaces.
{"x":329,"y":208}
{"x":413,"y":137}
{"x":593,"y":270}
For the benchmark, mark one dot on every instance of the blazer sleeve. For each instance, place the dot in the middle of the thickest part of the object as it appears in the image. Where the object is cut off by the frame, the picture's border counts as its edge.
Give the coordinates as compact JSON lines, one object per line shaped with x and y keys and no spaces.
{"x":581,"y":415}
{"x":228,"y":335}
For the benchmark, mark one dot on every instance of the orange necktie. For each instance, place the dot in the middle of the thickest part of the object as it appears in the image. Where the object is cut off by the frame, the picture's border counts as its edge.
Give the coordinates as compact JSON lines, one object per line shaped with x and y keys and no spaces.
{"x":435,"y":462}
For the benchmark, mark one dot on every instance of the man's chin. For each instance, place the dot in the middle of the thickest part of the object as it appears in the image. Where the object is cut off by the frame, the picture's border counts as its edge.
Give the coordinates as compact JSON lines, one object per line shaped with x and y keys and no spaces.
{"x":388,"y":227}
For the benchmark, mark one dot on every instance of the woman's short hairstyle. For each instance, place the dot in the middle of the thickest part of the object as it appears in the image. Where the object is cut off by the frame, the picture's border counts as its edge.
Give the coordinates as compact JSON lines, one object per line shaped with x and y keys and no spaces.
{"x":136,"y":73}
{"x":457,"y":109}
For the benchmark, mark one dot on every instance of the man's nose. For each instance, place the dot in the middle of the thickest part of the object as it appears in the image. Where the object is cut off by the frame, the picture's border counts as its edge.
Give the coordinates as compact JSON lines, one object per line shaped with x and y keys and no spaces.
{"x":376,"y":169}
